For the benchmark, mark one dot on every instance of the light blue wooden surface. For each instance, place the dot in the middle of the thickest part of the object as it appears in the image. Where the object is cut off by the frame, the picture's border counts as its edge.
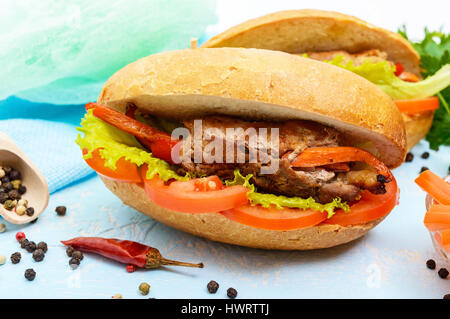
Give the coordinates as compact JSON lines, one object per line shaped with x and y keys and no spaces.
{"x":387,"y":263}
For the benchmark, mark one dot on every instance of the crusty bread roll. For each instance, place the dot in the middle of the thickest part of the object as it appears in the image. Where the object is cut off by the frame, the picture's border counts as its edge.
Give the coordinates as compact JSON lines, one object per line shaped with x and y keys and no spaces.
{"x":255,"y":84}
{"x":299,"y":31}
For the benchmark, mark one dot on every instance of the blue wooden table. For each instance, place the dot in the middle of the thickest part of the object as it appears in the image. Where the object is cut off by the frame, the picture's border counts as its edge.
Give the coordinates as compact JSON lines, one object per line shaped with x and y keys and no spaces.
{"x":387,"y":263}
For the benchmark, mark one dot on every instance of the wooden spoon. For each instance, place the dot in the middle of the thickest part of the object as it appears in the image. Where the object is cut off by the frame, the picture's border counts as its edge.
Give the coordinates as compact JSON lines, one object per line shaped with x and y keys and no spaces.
{"x":37,"y":193}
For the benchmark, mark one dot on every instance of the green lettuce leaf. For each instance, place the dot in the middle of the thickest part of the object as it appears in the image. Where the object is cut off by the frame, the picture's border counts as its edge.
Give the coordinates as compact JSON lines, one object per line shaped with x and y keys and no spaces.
{"x":279,"y":201}
{"x":382,"y":74}
{"x":434,"y":52}
{"x":114,"y":144}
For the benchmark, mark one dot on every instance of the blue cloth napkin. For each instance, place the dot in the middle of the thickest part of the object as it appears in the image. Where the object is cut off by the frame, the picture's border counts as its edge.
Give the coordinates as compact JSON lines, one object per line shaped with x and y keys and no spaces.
{"x":46,"y":133}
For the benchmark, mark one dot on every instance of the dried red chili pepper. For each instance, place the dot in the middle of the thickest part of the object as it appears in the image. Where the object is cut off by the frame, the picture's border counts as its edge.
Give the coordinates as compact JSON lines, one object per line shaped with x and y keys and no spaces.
{"x":125,"y":251}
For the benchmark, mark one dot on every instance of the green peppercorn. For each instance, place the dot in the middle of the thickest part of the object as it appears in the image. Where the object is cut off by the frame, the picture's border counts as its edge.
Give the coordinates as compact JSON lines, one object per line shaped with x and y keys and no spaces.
{"x":16,"y":183}
{"x":9,"y":204}
{"x":144,"y":288}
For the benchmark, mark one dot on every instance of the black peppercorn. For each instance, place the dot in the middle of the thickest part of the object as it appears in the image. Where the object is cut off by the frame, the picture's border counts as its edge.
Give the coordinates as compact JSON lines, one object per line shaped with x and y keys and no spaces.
{"x":69,"y":251}
{"x":7,"y":169}
{"x":42,"y":245}
{"x":78,"y":255}
{"x":74,"y":263}
{"x":423,"y":169}
{"x":5,"y":179}
{"x":31,"y":246}
{"x":15,"y":258}
{"x":38,"y":255}
{"x":425,"y":155}
{"x":8,"y":186}
{"x":443,"y":273}
{"x":231,"y":293}
{"x":2,"y":189}
{"x":3,"y":198}
{"x":22,"y":189}
{"x":30,"y":211}
{"x":431,"y":264}
{"x":447,"y":296}
{"x":212,"y":287}
{"x":30,"y":274}
{"x":61,"y":210}
{"x":409,"y":157}
{"x":14,"y":194}
{"x":23,"y":242}
{"x":15,"y":175}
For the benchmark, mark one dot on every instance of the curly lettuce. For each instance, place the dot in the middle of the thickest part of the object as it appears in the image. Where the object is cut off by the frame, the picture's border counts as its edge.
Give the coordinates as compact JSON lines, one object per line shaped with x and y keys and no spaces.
{"x":382,"y":74}
{"x":280,"y":201}
{"x":114,"y":144}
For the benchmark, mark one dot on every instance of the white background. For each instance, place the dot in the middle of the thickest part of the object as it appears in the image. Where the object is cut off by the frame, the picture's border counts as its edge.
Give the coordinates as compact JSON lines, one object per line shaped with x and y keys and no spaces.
{"x":389,"y":14}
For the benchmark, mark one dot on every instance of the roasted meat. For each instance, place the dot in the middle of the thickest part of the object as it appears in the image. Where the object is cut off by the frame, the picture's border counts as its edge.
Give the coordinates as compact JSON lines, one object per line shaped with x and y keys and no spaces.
{"x":322,"y":183}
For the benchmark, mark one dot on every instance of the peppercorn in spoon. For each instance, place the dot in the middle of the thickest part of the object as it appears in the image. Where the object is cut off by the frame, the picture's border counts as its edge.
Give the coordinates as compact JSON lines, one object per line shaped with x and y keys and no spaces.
{"x":36,"y":194}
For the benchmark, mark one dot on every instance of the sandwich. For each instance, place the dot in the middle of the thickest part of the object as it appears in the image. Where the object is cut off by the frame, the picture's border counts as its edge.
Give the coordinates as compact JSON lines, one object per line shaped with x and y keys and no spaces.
{"x":381,"y":56}
{"x":250,"y":147}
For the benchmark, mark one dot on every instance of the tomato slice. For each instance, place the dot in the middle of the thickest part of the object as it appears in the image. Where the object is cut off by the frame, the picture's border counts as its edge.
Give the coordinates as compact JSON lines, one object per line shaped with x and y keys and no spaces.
{"x":399,"y":68}
{"x":368,"y":208}
{"x":125,"y":170}
{"x":274,"y":218}
{"x":200,"y":195}
{"x":418,"y":105}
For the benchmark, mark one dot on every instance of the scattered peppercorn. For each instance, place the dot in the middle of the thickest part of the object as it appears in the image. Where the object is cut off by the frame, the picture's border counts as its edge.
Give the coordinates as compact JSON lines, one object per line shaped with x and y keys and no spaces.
{"x":144,"y":288}
{"x":231,"y":293}
{"x":20,"y":235}
{"x":8,"y":186}
{"x":5,"y":179}
{"x":30,"y":274}
{"x":38,"y":255}
{"x":425,"y":155}
{"x":212,"y":287}
{"x":15,"y":258}
{"x":117,"y":296}
{"x":423,"y":169}
{"x":443,"y":273}
{"x":9,"y":204}
{"x":43,"y":246}
{"x":431,"y":264}
{"x":23,"y":242}
{"x":409,"y":157}
{"x":78,"y":255}
{"x":447,"y":296}
{"x":30,"y":247}
{"x":130,"y":268}
{"x":61,"y":210}
{"x":2,"y":228}
{"x":30,"y":211}
{"x":2,"y":260}
{"x":14,"y":194}
{"x":16,"y":184}
{"x":74,"y":263}
{"x":69,"y":251}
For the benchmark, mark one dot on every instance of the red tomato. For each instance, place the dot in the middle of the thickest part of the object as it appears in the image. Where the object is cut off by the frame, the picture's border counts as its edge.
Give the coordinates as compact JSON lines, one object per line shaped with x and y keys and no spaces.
{"x":399,"y":69}
{"x":274,"y":218}
{"x":368,"y":208}
{"x":125,"y":170}
{"x":200,"y":195}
